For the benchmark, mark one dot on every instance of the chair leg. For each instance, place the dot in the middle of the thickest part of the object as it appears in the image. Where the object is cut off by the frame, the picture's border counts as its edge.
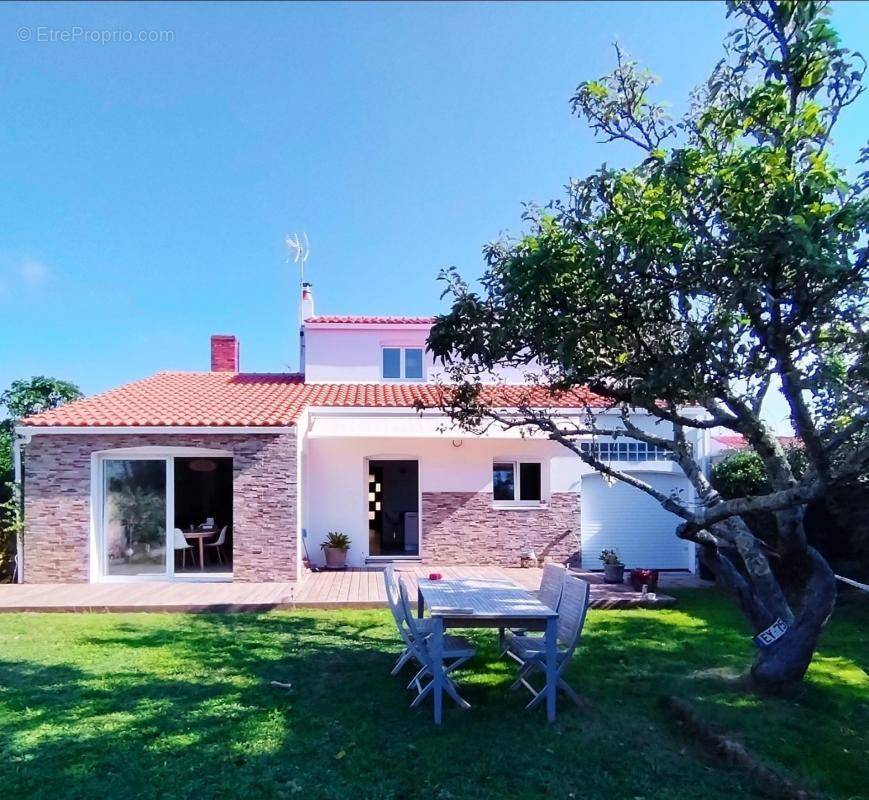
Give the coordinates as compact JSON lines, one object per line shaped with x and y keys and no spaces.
{"x":418,"y":677}
{"x":511,"y":654}
{"x":537,"y":699}
{"x":448,"y":668}
{"x":450,"y":689}
{"x":523,"y":673}
{"x":424,"y":691}
{"x":565,"y":687}
{"x":402,"y":660}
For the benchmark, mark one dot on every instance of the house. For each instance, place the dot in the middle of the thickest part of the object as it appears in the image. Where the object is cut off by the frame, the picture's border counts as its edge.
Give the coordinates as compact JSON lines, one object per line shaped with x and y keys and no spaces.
{"x":119,"y":486}
{"x":723,"y":442}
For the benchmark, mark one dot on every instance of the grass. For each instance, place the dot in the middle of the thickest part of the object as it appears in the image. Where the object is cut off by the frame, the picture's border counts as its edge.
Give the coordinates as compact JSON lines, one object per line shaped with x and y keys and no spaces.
{"x":179,"y":706}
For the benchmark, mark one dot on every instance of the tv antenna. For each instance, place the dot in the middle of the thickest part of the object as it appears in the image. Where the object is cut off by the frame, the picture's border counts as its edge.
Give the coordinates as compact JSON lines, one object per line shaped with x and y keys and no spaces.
{"x":299,"y":250}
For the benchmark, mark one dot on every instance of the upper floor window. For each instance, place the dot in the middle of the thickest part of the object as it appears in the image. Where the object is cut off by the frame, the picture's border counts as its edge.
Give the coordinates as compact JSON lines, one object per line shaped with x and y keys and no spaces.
{"x":403,"y":362}
{"x":517,"y":482}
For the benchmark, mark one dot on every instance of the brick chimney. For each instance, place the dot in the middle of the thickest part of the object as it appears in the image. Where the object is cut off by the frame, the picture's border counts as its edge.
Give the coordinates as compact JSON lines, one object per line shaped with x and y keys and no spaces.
{"x":224,"y":353}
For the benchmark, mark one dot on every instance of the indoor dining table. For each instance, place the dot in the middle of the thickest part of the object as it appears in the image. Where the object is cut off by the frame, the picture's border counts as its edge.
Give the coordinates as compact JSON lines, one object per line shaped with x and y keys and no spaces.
{"x":202,"y":534}
{"x":486,"y":603}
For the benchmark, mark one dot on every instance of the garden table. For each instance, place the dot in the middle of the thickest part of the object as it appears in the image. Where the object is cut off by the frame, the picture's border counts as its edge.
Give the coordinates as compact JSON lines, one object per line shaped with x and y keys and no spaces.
{"x":486,"y":603}
{"x":202,"y":534}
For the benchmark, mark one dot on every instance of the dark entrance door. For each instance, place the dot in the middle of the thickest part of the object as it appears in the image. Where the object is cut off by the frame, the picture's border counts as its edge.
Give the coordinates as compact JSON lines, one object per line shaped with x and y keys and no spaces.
{"x":393,"y":508}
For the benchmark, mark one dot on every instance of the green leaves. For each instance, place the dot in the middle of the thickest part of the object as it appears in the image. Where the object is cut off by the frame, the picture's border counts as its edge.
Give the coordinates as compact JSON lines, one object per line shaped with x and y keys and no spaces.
{"x":28,"y":397}
{"x":691,"y":275}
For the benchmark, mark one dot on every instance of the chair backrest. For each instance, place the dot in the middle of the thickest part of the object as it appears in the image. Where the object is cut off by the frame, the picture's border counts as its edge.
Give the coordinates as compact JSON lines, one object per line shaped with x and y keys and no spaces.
{"x":415,"y":640}
{"x":551,"y":585}
{"x":222,"y":538}
{"x":572,"y":611}
{"x":180,"y":541}
{"x":392,"y":596}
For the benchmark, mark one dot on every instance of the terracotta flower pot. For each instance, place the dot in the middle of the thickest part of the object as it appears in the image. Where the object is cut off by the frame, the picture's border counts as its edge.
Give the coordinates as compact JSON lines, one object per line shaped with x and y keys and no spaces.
{"x":335,"y":557}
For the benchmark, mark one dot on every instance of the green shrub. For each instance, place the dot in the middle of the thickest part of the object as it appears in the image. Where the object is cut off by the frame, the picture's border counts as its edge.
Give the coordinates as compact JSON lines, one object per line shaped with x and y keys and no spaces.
{"x":741,"y":473}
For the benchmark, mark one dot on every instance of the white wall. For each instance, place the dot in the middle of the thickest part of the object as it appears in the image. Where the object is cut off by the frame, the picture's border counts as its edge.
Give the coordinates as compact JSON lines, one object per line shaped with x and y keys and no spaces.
{"x":352,"y":353}
{"x":334,"y":483}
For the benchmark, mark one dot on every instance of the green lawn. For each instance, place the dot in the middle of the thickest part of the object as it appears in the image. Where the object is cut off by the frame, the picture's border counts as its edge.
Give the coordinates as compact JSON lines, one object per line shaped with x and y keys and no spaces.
{"x":164,"y":705}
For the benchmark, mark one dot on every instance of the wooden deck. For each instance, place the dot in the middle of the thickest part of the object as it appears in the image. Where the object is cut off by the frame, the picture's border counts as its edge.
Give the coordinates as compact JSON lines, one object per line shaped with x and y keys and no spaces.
{"x":363,"y":588}
{"x":353,"y":588}
{"x":150,"y":596}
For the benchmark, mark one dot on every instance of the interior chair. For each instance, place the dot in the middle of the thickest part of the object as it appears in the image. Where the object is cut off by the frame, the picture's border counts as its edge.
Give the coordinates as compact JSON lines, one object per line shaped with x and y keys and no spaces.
{"x":183,"y":545}
{"x":218,"y":543}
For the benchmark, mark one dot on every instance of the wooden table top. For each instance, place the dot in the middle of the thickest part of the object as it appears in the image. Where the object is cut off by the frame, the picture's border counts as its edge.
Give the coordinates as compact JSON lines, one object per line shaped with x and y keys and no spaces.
{"x":482,"y":598}
{"x":200,"y":532}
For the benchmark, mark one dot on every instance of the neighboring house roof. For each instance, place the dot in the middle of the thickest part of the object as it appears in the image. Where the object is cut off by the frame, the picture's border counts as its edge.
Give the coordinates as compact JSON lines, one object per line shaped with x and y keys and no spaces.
{"x":216,"y":399}
{"x":338,"y":319}
{"x":737,"y":442}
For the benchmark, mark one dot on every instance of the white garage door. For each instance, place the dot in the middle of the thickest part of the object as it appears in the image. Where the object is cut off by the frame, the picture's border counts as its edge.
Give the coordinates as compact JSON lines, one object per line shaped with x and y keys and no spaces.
{"x":622,"y":518}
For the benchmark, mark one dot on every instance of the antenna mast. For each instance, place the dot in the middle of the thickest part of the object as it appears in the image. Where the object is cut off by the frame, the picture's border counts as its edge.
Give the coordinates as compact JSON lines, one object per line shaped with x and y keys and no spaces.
{"x":299,"y":250}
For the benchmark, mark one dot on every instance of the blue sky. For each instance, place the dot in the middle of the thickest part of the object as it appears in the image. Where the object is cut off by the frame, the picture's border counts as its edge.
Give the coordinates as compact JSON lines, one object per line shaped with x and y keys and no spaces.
{"x":147,"y":186}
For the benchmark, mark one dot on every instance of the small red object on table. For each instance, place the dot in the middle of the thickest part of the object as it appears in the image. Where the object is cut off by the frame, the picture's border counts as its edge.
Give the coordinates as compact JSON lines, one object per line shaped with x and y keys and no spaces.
{"x":435,"y":576}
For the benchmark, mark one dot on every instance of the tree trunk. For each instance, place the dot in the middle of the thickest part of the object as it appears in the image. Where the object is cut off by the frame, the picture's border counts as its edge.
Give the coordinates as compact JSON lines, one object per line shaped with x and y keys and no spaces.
{"x":779,"y":668}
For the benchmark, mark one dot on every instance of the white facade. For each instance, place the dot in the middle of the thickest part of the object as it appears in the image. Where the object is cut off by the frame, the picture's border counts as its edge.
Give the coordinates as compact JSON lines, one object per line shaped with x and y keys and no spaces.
{"x":352,"y":352}
{"x":337,"y":448}
{"x":338,"y":444}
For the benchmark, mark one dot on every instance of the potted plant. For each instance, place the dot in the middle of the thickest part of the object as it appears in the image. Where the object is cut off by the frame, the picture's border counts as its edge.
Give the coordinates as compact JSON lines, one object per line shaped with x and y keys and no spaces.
{"x":644,"y":577}
{"x":335,"y":547}
{"x":613,"y":569}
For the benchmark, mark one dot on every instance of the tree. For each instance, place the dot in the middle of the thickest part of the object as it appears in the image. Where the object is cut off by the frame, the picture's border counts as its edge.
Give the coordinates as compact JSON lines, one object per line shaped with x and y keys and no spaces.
{"x":730,"y":259}
{"x":22,"y":399}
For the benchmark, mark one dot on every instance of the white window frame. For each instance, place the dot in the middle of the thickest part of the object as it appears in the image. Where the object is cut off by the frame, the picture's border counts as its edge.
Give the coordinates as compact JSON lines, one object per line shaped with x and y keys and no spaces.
{"x":517,"y":479}
{"x":98,"y":571}
{"x":627,"y":451}
{"x":402,"y":360}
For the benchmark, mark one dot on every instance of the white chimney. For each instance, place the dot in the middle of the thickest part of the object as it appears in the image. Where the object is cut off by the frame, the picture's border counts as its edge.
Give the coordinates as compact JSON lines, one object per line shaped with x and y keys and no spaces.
{"x":307,"y":308}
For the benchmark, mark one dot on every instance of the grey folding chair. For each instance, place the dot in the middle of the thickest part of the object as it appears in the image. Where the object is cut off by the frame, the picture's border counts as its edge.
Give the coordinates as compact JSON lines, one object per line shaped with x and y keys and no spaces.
{"x":549,"y":593}
{"x":394,"y":600}
{"x":551,"y":585}
{"x":456,"y":651}
{"x":530,"y":652}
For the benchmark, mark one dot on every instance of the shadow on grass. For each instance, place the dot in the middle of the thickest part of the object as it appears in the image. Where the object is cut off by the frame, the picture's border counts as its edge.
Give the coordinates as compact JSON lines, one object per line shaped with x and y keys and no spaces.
{"x":182,"y":706}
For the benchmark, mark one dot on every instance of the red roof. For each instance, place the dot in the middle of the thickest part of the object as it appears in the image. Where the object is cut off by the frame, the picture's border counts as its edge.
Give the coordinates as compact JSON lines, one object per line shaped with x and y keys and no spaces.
{"x":375,"y":320}
{"x":735,"y":441}
{"x":262,"y":400}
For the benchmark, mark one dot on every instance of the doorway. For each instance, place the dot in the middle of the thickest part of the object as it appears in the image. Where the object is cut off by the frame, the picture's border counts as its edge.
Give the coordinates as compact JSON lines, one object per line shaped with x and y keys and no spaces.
{"x":164,"y":516}
{"x":203,"y":514}
{"x":393,"y":508}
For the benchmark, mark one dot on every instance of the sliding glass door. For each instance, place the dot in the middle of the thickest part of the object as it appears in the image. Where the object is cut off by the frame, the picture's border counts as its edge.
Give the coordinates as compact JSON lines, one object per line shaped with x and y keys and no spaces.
{"x":135,"y":516}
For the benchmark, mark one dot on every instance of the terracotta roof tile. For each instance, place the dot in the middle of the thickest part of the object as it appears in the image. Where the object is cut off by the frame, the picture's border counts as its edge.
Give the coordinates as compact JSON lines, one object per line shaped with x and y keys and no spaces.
{"x":181,"y":399}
